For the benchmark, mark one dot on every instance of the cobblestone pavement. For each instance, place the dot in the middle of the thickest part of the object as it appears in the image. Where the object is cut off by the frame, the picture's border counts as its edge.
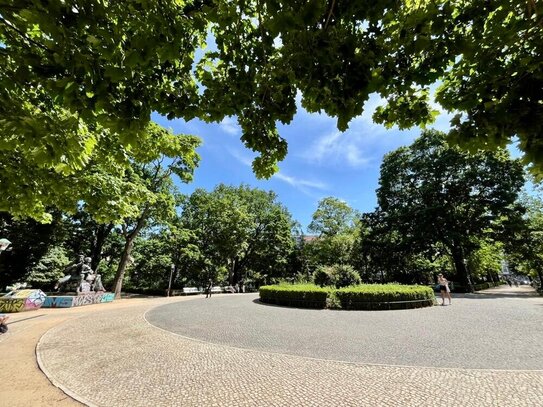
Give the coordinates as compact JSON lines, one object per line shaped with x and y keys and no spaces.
{"x":502,"y":329}
{"x":116,"y":358}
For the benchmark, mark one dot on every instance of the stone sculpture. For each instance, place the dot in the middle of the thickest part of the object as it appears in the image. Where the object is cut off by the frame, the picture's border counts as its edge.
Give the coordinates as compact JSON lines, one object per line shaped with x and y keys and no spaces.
{"x":80,"y":277}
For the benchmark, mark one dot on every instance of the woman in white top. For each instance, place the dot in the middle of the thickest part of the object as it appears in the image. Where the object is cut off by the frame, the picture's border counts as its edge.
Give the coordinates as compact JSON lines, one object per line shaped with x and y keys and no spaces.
{"x":444,"y":288}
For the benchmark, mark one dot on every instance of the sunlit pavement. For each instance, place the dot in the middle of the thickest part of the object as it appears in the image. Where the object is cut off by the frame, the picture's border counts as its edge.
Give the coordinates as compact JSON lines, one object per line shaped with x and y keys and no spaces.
{"x":231,"y":350}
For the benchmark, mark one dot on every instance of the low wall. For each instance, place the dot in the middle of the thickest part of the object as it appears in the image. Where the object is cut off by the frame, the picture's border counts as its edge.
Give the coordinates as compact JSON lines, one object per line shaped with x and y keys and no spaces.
{"x":68,"y":301}
{"x":22,"y":300}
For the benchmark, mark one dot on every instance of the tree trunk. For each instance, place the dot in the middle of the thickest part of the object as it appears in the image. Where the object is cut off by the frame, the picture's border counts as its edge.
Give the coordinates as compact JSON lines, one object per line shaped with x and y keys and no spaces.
{"x":236,"y":276}
{"x":119,"y":276}
{"x":100,"y":239}
{"x":462,"y":272}
{"x":490,"y":277}
{"x":231,"y":272}
{"x":540,"y":274}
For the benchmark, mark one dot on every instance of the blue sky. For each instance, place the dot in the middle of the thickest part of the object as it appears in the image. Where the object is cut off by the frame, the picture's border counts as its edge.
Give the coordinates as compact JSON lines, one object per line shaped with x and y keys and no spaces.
{"x":321,"y":161}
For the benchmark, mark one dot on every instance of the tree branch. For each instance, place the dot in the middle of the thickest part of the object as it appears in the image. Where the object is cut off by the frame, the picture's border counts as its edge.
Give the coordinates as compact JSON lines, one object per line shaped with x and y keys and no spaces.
{"x":22,"y":34}
{"x":329,"y":14}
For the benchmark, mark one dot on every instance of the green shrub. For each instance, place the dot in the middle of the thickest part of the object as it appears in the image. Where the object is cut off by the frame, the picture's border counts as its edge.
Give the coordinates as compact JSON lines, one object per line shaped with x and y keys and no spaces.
{"x":338,"y":275}
{"x":299,"y":295}
{"x":332,"y":302}
{"x":366,"y":296}
{"x":344,"y":275}
{"x":385,"y":296}
{"x":322,"y":276}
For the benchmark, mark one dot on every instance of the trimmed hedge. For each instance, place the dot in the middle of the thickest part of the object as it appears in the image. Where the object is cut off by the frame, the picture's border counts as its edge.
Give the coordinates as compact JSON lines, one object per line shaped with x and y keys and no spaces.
{"x":299,"y":295}
{"x":361,"y":297}
{"x":385,"y":296}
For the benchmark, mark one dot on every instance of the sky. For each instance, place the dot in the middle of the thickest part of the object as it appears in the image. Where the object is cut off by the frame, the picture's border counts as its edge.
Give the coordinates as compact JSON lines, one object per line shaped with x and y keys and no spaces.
{"x":321,"y":161}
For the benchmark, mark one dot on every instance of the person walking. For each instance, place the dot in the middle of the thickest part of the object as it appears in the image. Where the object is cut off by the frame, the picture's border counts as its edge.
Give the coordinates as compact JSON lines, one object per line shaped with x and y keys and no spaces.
{"x":3,"y":323}
{"x":208,"y":290}
{"x":444,"y":289}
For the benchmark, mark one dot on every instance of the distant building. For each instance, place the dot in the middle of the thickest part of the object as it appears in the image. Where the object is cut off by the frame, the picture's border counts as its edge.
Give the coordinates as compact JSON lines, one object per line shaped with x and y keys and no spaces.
{"x":305,"y":239}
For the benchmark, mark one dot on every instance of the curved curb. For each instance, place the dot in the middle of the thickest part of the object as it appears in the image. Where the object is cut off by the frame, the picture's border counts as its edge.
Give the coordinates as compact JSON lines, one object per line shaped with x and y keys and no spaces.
{"x":344,"y":362}
{"x":232,"y":363}
{"x":50,"y":376}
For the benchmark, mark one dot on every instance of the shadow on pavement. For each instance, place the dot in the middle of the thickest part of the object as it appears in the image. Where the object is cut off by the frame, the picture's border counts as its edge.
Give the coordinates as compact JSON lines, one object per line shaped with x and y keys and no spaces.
{"x":481,"y":295}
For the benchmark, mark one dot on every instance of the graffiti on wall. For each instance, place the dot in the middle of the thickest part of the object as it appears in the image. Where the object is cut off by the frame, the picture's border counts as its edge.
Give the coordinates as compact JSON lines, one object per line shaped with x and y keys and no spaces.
{"x":22,"y":300}
{"x":58,"y":302}
{"x":12,"y":304}
{"x":108,"y":297}
{"x":67,"y":301}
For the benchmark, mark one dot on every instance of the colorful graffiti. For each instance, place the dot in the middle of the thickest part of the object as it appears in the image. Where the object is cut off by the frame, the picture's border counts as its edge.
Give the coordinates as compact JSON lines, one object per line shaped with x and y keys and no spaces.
{"x":22,"y":300}
{"x":12,"y":305}
{"x":68,"y":301}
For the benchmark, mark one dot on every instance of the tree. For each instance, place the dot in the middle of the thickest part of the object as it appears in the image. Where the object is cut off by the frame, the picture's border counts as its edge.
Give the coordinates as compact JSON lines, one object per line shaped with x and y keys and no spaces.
{"x":335,"y":223}
{"x":525,"y":245}
{"x":49,"y":268}
{"x":242,"y":230}
{"x":160,"y":204}
{"x":486,"y":56}
{"x":485,"y":262}
{"x":71,"y":70}
{"x":431,"y":193}
{"x":333,"y":216}
{"x":330,"y":250}
{"x":30,"y":241}
{"x":152,"y":261}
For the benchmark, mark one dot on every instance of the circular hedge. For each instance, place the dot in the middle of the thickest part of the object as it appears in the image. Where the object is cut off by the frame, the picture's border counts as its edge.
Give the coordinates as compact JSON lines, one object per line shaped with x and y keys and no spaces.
{"x":294,"y":295}
{"x":360,"y":297}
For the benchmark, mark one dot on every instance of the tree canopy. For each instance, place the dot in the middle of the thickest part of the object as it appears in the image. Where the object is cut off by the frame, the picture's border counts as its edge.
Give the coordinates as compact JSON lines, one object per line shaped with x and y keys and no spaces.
{"x":243,"y":231}
{"x":431,"y":193}
{"x":333,"y":216}
{"x":74,"y":74}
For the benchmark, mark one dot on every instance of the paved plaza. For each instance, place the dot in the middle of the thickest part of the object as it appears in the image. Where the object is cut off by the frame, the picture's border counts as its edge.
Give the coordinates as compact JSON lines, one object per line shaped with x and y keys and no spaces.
{"x":231,"y":350}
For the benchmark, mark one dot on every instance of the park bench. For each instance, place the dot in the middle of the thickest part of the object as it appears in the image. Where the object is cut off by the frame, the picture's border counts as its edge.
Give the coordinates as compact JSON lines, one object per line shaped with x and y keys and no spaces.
{"x":216,"y":289}
{"x":191,"y":290}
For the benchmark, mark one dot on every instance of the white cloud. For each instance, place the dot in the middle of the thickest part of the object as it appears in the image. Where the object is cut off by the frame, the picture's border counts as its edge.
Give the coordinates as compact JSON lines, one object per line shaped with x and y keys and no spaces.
{"x":241,"y":157}
{"x":365,"y":142}
{"x":230,"y":126}
{"x":303,"y":185}
{"x":300,"y":183}
{"x":351,"y":148}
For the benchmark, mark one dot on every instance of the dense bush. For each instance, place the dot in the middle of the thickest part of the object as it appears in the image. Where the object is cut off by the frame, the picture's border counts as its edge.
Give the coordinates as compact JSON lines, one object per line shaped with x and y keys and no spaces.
{"x":322,"y":276}
{"x":366,"y":296}
{"x":476,"y":287}
{"x":338,"y":275}
{"x":344,"y":275}
{"x":299,"y":295}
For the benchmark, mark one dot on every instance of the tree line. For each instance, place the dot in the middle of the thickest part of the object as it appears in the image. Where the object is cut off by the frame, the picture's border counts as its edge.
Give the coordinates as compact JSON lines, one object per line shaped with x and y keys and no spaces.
{"x":440,"y":209}
{"x":80,"y":79}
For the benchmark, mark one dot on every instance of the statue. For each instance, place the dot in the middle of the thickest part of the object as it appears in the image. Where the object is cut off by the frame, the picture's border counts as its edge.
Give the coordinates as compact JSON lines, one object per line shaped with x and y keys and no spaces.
{"x":72,"y":272}
{"x":80,"y":272}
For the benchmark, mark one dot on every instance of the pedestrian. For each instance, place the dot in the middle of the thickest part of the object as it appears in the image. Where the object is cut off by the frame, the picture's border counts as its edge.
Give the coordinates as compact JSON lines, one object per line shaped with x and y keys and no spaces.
{"x":3,"y":325}
{"x":208,"y":290}
{"x":509,"y":282}
{"x":444,"y":289}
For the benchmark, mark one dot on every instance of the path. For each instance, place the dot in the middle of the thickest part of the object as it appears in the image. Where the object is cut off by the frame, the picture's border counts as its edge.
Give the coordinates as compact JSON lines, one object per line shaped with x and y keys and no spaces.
{"x":140,"y":365}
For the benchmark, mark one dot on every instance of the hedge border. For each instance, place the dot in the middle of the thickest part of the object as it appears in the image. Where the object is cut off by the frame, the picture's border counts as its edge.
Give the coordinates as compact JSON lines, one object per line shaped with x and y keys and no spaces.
{"x":267,"y":296}
{"x":300,"y":296}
